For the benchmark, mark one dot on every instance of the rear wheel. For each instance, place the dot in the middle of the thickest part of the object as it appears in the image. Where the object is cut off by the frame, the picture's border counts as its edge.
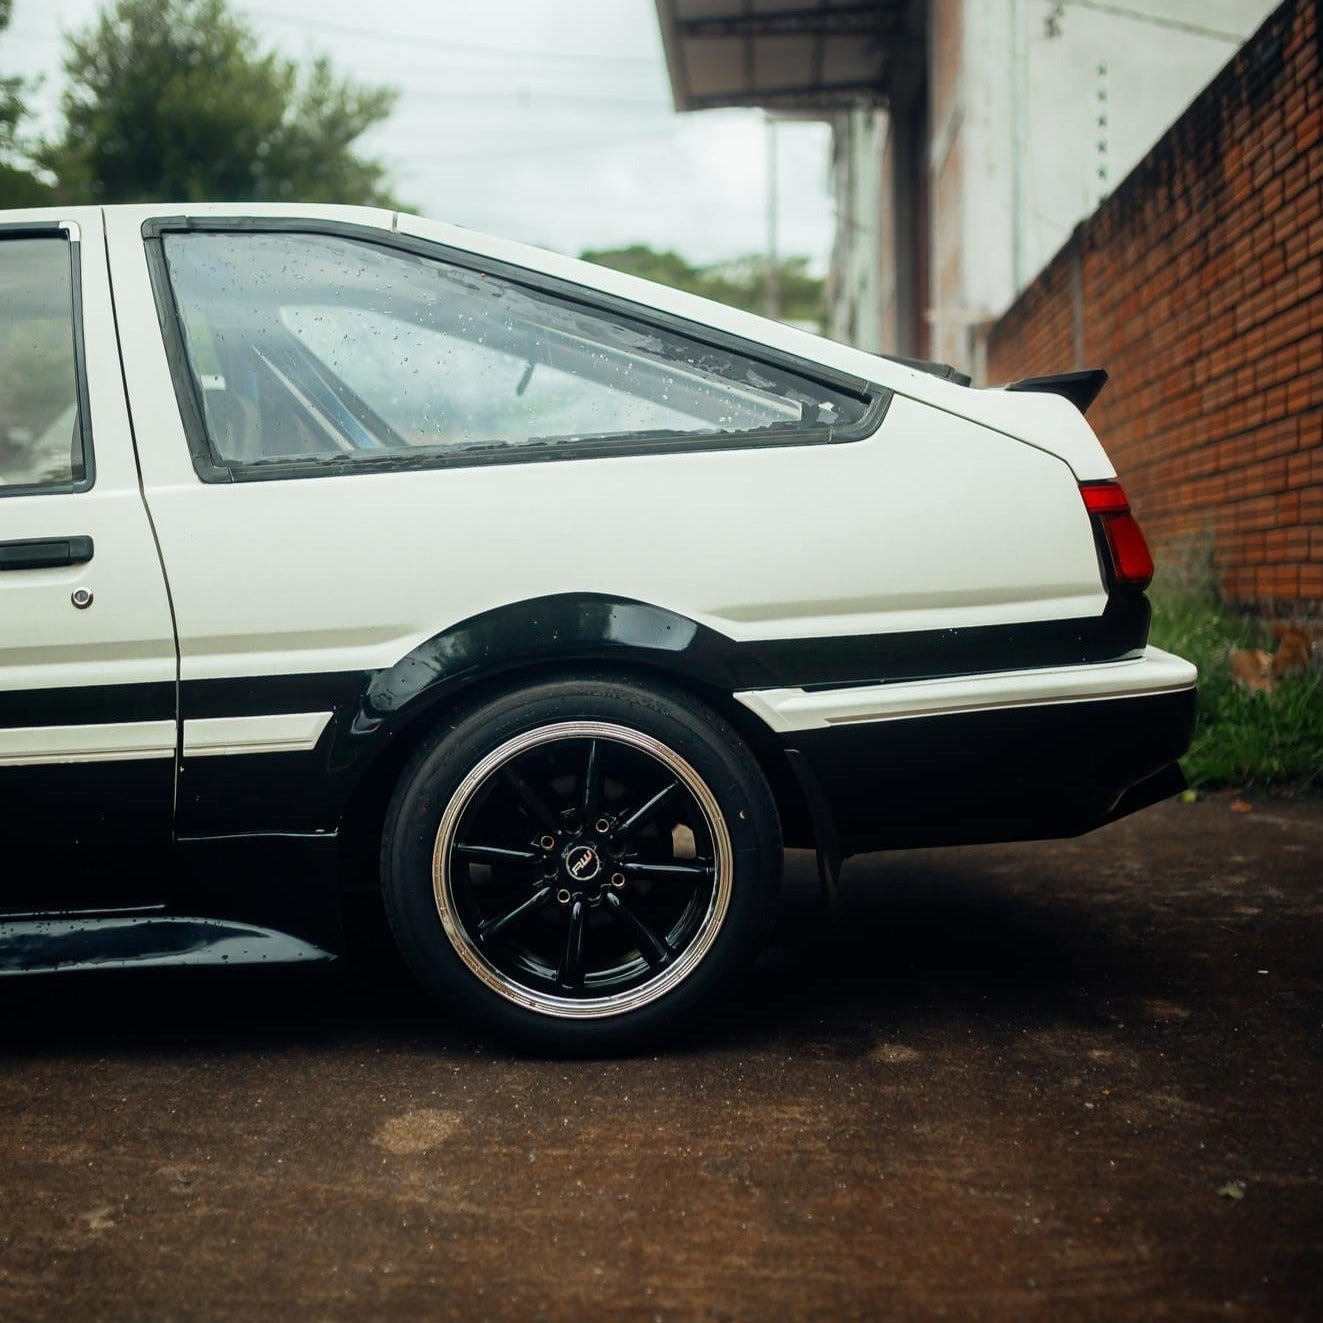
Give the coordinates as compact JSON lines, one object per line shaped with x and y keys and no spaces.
{"x":580,"y":862}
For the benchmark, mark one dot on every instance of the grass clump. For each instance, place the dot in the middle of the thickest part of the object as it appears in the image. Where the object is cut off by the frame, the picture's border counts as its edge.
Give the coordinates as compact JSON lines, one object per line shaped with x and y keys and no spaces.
{"x":1242,"y":739}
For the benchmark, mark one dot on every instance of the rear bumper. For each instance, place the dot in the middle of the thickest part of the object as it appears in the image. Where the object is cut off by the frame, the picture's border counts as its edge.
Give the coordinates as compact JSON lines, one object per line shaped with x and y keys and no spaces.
{"x":1001,"y":756}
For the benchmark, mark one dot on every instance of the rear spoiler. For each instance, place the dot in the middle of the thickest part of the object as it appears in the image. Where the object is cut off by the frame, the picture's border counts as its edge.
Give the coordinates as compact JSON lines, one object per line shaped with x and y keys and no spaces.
{"x":1080,"y":388}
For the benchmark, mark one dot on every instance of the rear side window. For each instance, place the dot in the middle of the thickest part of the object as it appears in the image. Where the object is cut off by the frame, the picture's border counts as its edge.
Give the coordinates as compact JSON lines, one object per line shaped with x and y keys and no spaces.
{"x":314,"y":350}
{"x":41,"y":434}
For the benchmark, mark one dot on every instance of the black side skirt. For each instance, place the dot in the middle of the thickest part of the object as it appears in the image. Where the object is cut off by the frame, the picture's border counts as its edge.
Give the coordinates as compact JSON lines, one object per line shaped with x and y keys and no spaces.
{"x":142,"y":941}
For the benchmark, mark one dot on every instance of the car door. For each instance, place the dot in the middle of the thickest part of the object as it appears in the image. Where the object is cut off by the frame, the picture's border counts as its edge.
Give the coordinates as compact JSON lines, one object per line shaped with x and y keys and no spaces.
{"x":87,"y":655}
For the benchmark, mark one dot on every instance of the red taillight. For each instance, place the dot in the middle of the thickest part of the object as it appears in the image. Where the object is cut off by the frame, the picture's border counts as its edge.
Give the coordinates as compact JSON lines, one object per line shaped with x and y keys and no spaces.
{"x":1132,"y":565}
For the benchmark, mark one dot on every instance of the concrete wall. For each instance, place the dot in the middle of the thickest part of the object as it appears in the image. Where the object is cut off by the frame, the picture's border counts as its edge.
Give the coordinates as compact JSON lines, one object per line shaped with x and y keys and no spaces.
{"x":1014,"y":155}
{"x":861,"y":286}
{"x":1198,"y":284}
{"x":1136,"y":76}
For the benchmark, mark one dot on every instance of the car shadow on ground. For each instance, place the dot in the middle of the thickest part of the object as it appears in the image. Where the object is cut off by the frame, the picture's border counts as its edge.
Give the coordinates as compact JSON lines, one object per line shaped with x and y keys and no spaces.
{"x":918,"y":939}
{"x":914,"y":940}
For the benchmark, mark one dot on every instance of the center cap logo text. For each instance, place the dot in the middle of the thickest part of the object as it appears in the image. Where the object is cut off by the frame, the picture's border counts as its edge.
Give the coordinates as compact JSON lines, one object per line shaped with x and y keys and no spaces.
{"x":583,"y":863}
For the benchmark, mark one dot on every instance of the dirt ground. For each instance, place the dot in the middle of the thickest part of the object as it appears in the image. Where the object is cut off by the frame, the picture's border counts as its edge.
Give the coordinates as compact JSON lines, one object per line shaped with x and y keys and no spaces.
{"x":1056,"y":1081}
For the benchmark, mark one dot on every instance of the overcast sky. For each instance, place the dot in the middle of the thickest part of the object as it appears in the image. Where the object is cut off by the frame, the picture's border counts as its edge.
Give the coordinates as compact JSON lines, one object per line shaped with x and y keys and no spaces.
{"x":549,"y":122}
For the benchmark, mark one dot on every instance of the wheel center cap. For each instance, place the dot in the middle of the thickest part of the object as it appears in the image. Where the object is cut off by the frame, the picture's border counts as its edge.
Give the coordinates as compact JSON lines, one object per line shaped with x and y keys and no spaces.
{"x":582,"y":863}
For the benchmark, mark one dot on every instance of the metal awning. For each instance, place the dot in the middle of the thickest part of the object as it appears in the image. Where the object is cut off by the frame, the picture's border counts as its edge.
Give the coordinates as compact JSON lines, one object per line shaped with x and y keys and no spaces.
{"x":822,"y":55}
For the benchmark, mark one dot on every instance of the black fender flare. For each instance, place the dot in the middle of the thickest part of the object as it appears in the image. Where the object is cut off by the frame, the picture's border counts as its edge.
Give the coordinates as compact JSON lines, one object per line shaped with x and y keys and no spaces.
{"x":554,"y":632}
{"x":593,"y":629}
{"x":567,"y":628}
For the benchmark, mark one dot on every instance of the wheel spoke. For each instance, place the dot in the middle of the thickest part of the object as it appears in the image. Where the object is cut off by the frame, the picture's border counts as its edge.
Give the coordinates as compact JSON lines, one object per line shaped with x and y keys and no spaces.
{"x":653,"y":948}
{"x":535,"y":902}
{"x":496,"y":854}
{"x":531,"y":800}
{"x":644,"y":813}
{"x":592,"y":781}
{"x":571,"y":964}
{"x":699,"y":870}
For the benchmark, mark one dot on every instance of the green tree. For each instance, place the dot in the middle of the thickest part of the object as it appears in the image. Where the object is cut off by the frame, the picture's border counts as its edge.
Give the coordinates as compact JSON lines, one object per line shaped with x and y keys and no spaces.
{"x":665,"y":267}
{"x":19,"y":187}
{"x":742,"y":283}
{"x":173,"y":100}
{"x":11,"y":91}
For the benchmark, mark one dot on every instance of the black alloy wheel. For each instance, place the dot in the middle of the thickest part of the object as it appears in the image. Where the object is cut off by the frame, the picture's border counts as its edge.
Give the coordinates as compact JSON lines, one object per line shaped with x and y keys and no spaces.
{"x":581,"y":861}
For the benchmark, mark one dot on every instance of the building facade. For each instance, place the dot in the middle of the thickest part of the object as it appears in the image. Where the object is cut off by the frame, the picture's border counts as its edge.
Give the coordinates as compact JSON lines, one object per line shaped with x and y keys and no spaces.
{"x":970,"y":136}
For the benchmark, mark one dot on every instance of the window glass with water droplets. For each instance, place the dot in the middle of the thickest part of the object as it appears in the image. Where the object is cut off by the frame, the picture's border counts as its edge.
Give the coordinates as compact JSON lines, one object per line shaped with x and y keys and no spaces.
{"x":307,"y":347}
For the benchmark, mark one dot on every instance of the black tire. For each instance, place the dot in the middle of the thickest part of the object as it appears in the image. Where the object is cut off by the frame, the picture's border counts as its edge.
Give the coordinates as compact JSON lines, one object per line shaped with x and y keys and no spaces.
{"x":580,"y":862}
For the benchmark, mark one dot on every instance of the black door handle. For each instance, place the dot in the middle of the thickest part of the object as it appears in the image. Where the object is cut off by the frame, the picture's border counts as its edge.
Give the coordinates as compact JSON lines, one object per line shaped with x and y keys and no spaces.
{"x":40,"y":553}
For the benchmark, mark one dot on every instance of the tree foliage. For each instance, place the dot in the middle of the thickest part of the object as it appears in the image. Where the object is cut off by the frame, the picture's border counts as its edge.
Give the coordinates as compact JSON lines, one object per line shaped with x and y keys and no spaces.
{"x":11,"y":91}
{"x":741,"y":283}
{"x":19,"y":187}
{"x":173,"y":100}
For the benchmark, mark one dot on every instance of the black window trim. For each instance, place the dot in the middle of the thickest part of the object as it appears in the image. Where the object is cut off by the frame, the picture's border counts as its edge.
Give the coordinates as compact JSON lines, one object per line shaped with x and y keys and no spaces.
{"x":205,"y":462}
{"x":71,"y":233}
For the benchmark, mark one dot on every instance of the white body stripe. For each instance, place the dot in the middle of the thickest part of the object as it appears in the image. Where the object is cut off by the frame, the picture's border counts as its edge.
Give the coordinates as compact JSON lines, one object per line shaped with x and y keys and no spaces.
{"x":286,"y":732}
{"x":108,"y":742}
{"x":1156,"y":672}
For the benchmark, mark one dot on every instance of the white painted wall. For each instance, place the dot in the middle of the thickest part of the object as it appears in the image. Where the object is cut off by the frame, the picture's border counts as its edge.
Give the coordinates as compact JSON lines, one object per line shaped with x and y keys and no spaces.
{"x":1152,"y":73}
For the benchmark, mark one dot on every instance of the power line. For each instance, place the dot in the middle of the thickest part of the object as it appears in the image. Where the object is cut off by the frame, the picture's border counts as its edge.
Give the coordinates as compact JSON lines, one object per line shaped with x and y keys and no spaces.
{"x":402,"y":157}
{"x":527,"y":98}
{"x":415,"y":41}
{"x":519,"y":98}
{"x":399,"y":38}
{"x":531,"y":99}
{"x":1158,"y":21}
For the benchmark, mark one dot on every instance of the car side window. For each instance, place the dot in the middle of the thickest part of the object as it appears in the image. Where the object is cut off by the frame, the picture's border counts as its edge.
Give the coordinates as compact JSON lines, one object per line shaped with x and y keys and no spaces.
{"x":319,"y":349}
{"x":42,"y":444}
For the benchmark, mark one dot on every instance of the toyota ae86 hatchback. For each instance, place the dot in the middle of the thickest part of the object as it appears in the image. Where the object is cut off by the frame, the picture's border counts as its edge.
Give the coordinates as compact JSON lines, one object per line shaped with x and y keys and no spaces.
{"x":343,"y":553}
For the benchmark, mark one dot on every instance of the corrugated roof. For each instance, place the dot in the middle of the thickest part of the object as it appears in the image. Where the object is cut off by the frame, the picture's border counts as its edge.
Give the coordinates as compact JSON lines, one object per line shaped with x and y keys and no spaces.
{"x":784,"y":54}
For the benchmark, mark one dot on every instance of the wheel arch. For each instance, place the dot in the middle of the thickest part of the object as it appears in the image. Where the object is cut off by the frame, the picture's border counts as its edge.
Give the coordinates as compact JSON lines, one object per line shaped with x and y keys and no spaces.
{"x":570,"y":635}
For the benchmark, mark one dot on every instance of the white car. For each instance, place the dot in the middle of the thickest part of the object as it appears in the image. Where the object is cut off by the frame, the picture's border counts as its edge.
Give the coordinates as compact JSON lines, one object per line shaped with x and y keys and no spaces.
{"x":345,"y":553}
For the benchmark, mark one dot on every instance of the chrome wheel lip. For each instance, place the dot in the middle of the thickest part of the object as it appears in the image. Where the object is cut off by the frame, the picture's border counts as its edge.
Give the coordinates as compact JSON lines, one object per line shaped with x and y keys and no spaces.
{"x":583,"y":1008}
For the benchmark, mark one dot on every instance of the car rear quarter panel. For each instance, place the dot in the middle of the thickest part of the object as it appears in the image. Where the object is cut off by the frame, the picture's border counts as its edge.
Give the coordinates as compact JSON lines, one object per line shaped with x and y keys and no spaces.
{"x":934,"y":522}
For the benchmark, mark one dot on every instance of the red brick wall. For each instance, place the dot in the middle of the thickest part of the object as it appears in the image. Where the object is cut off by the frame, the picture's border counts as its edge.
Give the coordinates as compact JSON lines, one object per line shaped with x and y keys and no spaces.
{"x":1198,"y":284}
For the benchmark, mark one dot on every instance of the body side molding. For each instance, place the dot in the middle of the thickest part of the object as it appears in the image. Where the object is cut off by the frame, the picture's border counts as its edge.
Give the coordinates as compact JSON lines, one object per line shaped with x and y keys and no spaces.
{"x":280,"y":732}
{"x":1154,"y":672}
{"x":111,"y":741}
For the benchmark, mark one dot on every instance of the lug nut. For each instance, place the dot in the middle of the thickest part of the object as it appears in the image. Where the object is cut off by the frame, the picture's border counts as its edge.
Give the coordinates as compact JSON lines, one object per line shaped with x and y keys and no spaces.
{"x":602,"y":826}
{"x":564,"y":896}
{"x":548,"y":842}
{"x":617,"y":879}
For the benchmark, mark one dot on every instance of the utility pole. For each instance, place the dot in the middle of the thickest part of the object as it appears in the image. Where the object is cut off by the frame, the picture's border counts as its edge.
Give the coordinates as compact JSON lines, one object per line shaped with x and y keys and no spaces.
{"x":772,"y":289}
